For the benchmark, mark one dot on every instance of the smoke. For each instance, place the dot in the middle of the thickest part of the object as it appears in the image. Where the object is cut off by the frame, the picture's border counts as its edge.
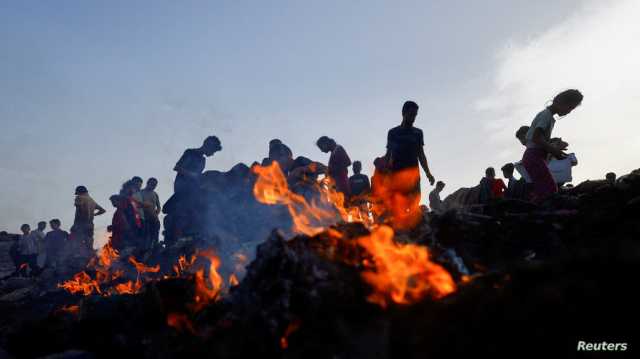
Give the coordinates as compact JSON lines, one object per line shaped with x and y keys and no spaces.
{"x":593,"y":51}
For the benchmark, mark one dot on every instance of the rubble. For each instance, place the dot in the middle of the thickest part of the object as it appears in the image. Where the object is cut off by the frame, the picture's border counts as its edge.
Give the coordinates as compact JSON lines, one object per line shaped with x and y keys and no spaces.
{"x":537,"y":280}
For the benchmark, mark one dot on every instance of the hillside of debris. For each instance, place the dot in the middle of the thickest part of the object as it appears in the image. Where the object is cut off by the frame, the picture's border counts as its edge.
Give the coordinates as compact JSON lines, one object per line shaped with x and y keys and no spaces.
{"x":535,"y":277}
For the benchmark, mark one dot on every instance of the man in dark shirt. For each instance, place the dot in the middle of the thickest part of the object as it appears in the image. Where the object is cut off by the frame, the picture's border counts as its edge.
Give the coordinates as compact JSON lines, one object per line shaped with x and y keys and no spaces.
{"x":339,"y":162}
{"x":400,"y":187}
{"x":405,"y":143}
{"x":359,"y":183}
{"x":54,"y":243}
{"x":192,"y":163}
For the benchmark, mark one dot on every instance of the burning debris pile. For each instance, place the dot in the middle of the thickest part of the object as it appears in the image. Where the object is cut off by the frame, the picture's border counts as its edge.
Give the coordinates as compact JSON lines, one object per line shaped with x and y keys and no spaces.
{"x":343,"y":285}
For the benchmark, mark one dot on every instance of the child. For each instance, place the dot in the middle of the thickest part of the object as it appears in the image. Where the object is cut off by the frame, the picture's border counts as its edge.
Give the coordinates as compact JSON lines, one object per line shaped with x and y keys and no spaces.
{"x":359,"y":183}
{"x":539,"y":146}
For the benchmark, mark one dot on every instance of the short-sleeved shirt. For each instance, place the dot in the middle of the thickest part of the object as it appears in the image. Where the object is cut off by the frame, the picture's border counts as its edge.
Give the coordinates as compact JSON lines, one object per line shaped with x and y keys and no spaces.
{"x":543,"y":120}
{"x":359,"y":184}
{"x":85,"y":208}
{"x":150,"y":201}
{"x":404,"y":144}
{"x":192,"y":160}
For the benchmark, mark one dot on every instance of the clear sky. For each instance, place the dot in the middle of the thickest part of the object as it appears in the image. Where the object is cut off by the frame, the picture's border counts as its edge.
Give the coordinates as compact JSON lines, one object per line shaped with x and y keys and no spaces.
{"x":94,"y":93}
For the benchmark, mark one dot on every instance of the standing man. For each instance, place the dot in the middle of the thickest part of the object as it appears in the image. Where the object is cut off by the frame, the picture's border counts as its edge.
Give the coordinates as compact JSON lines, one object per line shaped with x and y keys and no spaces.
{"x":405,"y":152}
{"x":86,"y":209}
{"x":28,"y":252}
{"x":40,"y":234}
{"x":339,"y":163}
{"x":54,"y":242}
{"x":152,"y":208}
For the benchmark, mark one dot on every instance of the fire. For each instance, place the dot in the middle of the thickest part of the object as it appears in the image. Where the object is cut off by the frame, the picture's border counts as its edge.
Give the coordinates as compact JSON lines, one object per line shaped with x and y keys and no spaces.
{"x":291,"y":328}
{"x":71,"y":309}
{"x":142,"y":268}
{"x":180,"y":322}
{"x":396,"y":198}
{"x":183,"y":264}
{"x":129,"y":287}
{"x":233,"y":280}
{"x":309,"y":218}
{"x":105,"y":275}
{"x":401,"y":272}
{"x":207,"y":288}
{"x":81,"y":283}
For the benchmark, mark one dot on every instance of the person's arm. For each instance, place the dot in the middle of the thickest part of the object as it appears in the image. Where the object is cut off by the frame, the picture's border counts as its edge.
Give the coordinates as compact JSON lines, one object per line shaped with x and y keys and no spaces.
{"x":425,"y":165}
{"x":158,"y":205}
{"x":100,"y":210}
{"x":539,"y":140}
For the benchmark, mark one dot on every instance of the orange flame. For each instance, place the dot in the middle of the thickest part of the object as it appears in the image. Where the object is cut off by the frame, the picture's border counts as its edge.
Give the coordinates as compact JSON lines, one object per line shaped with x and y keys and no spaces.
{"x":81,"y":283}
{"x":291,"y":328}
{"x":180,"y":322}
{"x":308,"y":218}
{"x":397,"y":197}
{"x":71,"y":309}
{"x":183,"y":264}
{"x":401,"y":272}
{"x":105,"y":276}
{"x":233,"y":280}
{"x":207,"y":289}
{"x":129,"y":287}
{"x":142,"y":268}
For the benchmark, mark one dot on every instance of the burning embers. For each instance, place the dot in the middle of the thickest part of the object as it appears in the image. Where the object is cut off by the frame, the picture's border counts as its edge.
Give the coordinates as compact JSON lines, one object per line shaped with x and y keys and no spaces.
{"x":402,"y":273}
{"x":110,"y":273}
{"x":397,"y":273}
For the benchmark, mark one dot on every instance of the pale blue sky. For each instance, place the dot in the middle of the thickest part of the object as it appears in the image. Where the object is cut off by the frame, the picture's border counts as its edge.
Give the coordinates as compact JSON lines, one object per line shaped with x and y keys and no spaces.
{"x":95,"y":92}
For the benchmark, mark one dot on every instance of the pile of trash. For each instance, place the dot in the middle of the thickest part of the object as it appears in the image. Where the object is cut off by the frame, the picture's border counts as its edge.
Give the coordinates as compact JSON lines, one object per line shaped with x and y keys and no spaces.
{"x":521,"y":276}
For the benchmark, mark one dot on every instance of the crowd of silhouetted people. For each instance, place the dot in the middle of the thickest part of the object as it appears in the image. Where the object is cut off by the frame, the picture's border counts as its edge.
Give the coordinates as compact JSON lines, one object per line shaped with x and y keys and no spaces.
{"x":135,"y":224}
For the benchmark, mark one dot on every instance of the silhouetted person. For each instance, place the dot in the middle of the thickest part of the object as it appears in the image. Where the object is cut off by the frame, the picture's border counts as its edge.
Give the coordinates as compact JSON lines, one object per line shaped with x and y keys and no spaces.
{"x":521,"y":134}
{"x":359,"y":183}
{"x":27,"y":251}
{"x":152,"y":208}
{"x":136,"y":194}
{"x":190,"y":166}
{"x":516,"y":188}
{"x":40,"y":234}
{"x":132,"y":208}
{"x":86,"y":210}
{"x":54,"y":243}
{"x":611,"y":178}
{"x":339,"y":162}
{"x":280,"y":153}
{"x":539,"y":146}
{"x":435,"y":203}
{"x":490,"y":187}
{"x":123,"y":226}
